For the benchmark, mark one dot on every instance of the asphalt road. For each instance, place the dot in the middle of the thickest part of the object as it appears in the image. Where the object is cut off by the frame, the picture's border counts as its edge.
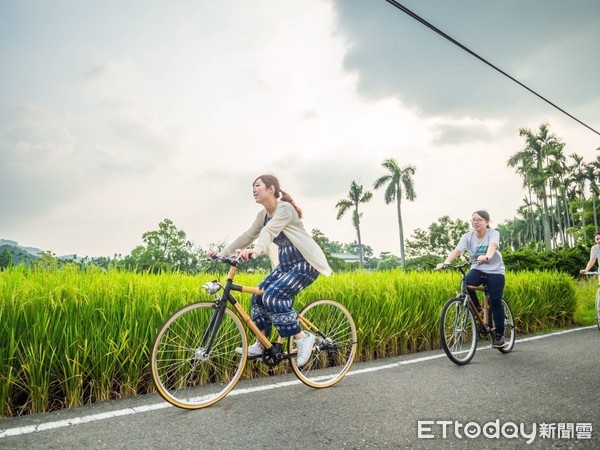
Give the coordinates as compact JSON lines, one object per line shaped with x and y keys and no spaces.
{"x":549,"y":385}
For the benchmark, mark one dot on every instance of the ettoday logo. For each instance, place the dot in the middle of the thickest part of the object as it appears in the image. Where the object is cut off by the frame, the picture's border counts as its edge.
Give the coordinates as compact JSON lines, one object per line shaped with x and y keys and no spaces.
{"x":444,"y":429}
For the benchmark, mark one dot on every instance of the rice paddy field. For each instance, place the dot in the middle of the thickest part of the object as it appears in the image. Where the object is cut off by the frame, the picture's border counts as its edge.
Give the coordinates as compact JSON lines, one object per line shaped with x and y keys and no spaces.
{"x":70,"y":337}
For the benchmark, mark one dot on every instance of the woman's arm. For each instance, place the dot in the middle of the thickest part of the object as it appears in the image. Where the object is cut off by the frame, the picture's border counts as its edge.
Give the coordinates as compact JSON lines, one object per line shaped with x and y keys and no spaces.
{"x":451,"y":257}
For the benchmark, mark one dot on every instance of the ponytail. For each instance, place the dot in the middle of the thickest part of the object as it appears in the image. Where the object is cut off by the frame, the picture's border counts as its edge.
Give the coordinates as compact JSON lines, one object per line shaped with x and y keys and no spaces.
{"x":285,"y":197}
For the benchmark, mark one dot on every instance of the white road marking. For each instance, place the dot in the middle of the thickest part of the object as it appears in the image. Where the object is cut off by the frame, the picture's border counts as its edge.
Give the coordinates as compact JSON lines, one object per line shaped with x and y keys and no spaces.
{"x":140,"y":409}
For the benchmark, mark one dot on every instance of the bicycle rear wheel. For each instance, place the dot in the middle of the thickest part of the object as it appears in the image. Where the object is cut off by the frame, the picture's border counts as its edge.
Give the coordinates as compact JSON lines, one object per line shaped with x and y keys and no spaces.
{"x":185,"y":371}
{"x":509,"y":328}
{"x":458,"y":331}
{"x":335,"y":348}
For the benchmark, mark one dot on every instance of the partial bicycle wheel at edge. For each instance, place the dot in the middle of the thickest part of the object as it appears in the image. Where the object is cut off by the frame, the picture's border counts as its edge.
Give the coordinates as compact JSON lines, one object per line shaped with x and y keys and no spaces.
{"x":458,"y":331}
{"x":598,"y":308}
{"x":509,"y":328}
{"x":335,"y":347}
{"x":185,"y":373}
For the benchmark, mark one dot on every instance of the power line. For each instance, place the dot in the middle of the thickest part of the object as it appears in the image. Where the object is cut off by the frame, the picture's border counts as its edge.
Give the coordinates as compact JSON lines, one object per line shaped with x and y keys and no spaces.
{"x":455,"y":42}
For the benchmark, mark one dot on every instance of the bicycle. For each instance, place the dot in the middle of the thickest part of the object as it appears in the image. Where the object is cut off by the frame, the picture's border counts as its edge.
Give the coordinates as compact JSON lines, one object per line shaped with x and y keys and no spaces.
{"x":462,"y":324}
{"x":194,"y":362}
{"x":597,"y":311}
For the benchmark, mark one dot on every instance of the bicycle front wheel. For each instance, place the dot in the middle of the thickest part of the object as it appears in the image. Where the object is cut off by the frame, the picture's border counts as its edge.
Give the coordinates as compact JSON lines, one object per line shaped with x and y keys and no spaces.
{"x":458,"y":331}
{"x":194,"y":361}
{"x":509,"y":328}
{"x":598,"y":308}
{"x":335,"y":348}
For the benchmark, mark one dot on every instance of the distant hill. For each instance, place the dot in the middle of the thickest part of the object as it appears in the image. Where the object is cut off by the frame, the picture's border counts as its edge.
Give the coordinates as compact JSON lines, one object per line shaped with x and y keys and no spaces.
{"x":18,"y":254}
{"x":21,"y":254}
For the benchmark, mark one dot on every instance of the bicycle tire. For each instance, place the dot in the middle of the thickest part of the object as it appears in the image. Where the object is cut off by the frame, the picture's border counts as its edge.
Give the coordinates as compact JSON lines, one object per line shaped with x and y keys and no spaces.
{"x":458,"y":331}
{"x":335,"y":347}
{"x":598,"y":308}
{"x":509,"y":328}
{"x":183,"y":374}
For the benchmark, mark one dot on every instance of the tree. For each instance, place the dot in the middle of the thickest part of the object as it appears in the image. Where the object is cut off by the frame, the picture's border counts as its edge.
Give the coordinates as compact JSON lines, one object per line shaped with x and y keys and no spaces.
{"x":356,"y":196}
{"x":398,"y":180}
{"x":592,"y":175}
{"x":531,"y":163}
{"x":579,"y":178}
{"x":6,"y":259}
{"x":165,"y":249}
{"x":440,"y":238}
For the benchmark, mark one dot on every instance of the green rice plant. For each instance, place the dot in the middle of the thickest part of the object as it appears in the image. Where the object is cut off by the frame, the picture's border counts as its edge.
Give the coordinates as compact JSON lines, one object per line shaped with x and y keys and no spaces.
{"x":70,"y":337}
{"x":586,"y":289}
{"x":541,"y":300}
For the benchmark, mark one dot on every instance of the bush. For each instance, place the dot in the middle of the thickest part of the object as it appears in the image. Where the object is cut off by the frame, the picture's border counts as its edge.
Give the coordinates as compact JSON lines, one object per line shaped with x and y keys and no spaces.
{"x":566,"y":260}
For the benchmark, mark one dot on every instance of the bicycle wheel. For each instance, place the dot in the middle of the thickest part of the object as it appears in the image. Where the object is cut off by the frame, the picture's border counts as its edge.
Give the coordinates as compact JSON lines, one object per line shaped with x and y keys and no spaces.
{"x":458,"y":331}
{"x":184,"y":372}
{"x":509,"y":328}
{"x":598,"y":308}
{"x":335,"y":348}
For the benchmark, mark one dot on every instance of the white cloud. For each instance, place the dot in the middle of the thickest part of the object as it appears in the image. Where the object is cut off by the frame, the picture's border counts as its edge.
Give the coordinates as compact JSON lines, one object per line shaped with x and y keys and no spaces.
{"x":172,"y":111}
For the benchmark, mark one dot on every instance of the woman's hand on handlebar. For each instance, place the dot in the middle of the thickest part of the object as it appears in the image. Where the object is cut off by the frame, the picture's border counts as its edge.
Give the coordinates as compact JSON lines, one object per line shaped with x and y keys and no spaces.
{"x":246,"y":254}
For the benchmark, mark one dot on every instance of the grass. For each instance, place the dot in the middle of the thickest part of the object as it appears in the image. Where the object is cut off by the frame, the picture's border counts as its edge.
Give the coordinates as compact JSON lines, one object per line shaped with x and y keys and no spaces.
{"x":71,"y":337}
{"x":586,"y":290}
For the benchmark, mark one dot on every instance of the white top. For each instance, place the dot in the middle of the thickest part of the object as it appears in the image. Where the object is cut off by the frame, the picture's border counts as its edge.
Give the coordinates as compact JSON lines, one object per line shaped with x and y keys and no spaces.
{"x":476,"y":246}
{"x":595,"y":252}
{"x":285,"y":220}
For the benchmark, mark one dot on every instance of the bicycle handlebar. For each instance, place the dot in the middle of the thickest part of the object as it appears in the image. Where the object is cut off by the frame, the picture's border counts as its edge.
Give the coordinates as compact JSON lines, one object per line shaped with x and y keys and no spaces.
{"x":231,"y":260}
{"x":459,"y":266}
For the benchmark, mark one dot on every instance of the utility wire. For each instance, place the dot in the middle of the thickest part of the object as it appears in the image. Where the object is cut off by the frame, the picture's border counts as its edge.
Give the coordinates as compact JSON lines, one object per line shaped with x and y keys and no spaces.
{"x":455,"y":42}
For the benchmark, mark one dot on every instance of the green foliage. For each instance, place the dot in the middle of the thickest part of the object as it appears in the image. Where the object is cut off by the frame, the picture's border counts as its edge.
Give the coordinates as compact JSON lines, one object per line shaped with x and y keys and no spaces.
{"x":6,"y":259}
{"x":388,"y":263}
{"x":73,"y":336}
{"x":10,"y":255}
{"x":566,"y":260}
{"x":46,"y":262}
{"x":426,"y":262}
{"x":586,"y":291}
{"x":165,"y":249}
{"x":439,"y":239}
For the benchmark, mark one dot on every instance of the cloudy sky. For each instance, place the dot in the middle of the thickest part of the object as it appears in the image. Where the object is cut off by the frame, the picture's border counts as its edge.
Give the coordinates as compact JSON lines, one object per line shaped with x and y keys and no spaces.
{"x":115,"y":115}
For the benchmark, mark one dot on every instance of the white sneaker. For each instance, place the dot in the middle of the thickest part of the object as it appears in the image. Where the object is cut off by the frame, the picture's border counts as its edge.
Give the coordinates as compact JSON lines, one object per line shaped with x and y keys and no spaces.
{"x":304,"y":347}
{"x":254,"y":350}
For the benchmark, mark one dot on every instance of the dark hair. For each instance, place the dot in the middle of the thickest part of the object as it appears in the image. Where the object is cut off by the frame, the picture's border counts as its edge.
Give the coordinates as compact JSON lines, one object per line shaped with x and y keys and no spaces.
{"x":271,"y":180}
{"x":484,"y":215}
{"x":596,"y":233}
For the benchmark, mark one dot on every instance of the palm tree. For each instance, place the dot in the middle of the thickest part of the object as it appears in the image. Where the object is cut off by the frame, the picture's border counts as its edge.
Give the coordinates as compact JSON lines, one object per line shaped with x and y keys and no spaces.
{"x":356,"y":196}
{"x":397,"y":180}
{"x":578,"y":177}
{"x":592,"y":173}
{"x":532,"y":160}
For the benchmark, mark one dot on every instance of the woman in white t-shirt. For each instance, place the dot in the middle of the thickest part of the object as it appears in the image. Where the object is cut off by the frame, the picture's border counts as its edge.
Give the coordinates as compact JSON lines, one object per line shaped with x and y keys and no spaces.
{"x":482,"y":243}
{"x":594,"y":254}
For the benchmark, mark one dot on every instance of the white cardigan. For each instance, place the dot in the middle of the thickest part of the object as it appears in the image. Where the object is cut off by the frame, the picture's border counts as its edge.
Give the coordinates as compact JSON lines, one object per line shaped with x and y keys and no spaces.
{"x":286,"y":220}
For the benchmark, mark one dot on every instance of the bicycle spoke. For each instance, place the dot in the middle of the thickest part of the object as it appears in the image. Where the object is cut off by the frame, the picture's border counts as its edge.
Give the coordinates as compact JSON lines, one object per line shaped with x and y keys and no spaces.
{"x":335,"y":348}
{"x":458,"y":331}
{"x":184,"y":372}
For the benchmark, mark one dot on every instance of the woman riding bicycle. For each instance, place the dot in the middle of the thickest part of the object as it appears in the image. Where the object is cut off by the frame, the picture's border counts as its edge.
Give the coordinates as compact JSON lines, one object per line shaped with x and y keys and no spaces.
{"x":297,"y":261}
{"x":482,"y":243}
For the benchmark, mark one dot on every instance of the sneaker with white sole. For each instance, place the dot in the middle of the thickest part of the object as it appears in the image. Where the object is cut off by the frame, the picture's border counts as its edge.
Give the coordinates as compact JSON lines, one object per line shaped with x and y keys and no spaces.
{"x":499,"y":341}
{"x":253,"y":351}
{"x":304,"y":347}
